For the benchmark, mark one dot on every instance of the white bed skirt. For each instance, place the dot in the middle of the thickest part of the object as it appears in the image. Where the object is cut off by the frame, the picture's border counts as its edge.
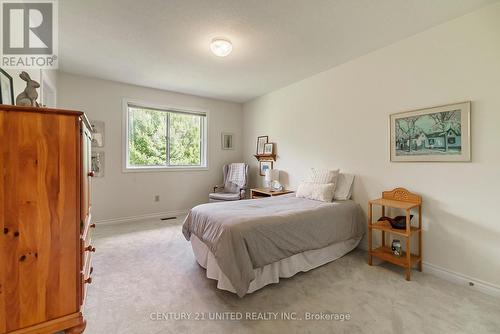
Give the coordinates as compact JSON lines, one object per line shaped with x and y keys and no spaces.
{"x":271,"y":273}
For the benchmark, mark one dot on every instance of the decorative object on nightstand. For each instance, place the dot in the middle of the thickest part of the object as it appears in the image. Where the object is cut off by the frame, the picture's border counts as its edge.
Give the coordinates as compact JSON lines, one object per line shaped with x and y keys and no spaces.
{"x":273,"y":179}
{"x":267,"y":192}
{"x":402,"y":199}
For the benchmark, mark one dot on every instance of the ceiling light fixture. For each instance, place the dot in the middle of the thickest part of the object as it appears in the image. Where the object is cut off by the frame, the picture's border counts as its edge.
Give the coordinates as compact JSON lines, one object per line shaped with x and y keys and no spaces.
{"x":221,"y":47}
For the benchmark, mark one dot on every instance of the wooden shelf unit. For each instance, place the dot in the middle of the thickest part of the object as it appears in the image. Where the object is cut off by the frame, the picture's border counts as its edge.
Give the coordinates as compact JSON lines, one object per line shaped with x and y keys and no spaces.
{"x":398,"y":198}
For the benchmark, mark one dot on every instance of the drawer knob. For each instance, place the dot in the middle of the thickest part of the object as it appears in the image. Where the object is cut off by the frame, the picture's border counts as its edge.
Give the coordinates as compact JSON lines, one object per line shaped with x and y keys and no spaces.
{"x":88,"y":280}
{"x":90,"y":248}
{"x":91,"y":173}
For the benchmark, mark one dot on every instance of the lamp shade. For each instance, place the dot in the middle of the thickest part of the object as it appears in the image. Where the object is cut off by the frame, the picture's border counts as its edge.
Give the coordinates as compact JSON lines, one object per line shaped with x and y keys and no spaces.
{"x":272,"y":175}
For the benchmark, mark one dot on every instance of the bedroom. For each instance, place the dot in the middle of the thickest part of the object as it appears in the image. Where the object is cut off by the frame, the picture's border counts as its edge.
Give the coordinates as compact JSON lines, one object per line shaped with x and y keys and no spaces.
{"x":393,"y":93}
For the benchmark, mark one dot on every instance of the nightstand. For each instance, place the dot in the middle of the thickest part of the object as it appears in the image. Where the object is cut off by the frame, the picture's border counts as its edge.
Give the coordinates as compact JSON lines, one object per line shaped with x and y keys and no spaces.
{"x":402,"y":199}
{"x":267,"y":192}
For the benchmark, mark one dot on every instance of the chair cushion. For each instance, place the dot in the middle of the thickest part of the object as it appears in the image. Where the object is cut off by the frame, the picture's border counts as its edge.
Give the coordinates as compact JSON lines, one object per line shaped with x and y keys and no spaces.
{"x":224,"y":196}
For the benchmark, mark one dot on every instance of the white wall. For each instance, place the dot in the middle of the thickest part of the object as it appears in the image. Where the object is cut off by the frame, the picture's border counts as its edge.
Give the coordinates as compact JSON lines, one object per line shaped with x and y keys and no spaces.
{"x":120,"y":194}
{"x":339,"y":118}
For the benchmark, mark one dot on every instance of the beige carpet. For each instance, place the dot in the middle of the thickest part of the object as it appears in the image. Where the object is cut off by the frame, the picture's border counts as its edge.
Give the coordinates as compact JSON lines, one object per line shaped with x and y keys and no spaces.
{"x":145,"y":268}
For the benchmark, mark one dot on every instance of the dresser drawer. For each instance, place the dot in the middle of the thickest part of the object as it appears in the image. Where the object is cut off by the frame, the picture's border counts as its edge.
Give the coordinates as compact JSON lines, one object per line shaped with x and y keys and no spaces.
{"x":86,"y":224}
{"x":86,"y":247}
{"x":86,"y":276}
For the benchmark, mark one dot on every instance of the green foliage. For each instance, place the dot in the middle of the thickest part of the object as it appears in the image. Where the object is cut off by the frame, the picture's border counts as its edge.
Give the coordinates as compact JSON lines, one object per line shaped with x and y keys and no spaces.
{"x":148,"y":141}
{"x":185,"y":145}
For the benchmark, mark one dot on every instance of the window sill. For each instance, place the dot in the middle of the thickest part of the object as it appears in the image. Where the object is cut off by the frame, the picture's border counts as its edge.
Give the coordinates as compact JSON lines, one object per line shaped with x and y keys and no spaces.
{"x":163,"y":169}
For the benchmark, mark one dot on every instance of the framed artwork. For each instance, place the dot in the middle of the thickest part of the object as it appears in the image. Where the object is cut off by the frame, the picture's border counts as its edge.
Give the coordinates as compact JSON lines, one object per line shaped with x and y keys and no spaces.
{"x":433,"y":134}
{"x":97,"y":133}
{"x":261,"y":141}
{"x":227,"y":141}
{"x":265,"y":165}
{"x":268,"y":148}
{"x":98,"y":163}
{"x":6,"y":88}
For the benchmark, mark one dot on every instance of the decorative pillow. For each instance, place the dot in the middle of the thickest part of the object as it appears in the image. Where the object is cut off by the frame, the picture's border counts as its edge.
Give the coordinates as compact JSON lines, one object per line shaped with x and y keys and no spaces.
{"x":343,"y":190}
{"x":316,"y":191}
{"x":323,"y":175}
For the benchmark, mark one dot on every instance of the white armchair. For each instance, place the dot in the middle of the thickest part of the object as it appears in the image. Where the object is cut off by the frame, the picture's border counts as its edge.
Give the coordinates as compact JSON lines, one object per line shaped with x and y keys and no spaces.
{"x":235,"y":184}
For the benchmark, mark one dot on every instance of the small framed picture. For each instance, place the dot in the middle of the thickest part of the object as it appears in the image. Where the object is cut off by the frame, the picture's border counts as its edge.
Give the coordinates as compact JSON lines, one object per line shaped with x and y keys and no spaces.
{"x":97,"y":133}
{"x":227,"y":141}
{"x":261,"y":141}
{"x":98,"y":163}
{"x":6,"y":88}
{"x":265,"y":165}
{"x":268,"y":148}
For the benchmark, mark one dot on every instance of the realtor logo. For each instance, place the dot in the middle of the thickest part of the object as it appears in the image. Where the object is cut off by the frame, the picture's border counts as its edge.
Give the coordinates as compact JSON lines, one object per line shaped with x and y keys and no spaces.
{"x":29,"y":34}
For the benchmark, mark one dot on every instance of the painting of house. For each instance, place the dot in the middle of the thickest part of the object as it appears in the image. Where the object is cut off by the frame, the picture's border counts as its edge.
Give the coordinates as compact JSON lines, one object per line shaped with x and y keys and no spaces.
{"x":431,"y":135}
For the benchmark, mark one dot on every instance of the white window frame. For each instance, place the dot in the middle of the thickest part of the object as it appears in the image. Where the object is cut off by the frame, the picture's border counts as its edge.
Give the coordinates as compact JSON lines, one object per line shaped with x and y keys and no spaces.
{"x":126,"y":168}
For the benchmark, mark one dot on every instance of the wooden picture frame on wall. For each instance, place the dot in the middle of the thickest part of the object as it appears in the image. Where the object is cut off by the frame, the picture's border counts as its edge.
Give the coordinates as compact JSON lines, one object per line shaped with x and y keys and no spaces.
{"x":436,"y":134}
{"x":269,"y":149}
{"x":263,"y":166}
{"x":261,"y":141}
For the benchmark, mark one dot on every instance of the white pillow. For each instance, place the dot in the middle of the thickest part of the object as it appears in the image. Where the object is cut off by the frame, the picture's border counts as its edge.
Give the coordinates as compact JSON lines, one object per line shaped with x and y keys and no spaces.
{"x":323,"y":175}
{"x":316,"y":191}
{"x":343,"y":190}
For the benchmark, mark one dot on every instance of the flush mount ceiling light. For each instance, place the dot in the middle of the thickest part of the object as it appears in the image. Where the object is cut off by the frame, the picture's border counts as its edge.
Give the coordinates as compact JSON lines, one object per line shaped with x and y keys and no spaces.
{"x":221,"y":47}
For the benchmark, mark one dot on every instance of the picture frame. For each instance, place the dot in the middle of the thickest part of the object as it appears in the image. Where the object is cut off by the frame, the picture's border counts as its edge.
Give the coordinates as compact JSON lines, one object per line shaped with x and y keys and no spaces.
{"x":435,"y":134}
{"x":227,"y":142}
{"x":98,"y":128}
{"x":261,"y":141}
{"x":268,"y":148}
{"x":97,"y":163}
{"x":6,"y":88}
{"x":263,"y":166}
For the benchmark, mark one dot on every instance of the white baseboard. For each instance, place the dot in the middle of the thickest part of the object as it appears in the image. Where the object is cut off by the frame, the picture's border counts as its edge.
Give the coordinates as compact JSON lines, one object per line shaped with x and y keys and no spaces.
{"x":158,"y":215}
{"x":473,"y":283}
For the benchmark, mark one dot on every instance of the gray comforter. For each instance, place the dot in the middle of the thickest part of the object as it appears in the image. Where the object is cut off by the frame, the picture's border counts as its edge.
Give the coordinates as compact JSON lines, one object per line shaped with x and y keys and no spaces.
{"x":249,"y":234}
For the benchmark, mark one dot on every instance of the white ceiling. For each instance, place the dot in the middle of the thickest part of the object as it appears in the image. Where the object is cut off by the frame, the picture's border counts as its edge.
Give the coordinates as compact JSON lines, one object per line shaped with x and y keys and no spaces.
{"x":165,"y":43}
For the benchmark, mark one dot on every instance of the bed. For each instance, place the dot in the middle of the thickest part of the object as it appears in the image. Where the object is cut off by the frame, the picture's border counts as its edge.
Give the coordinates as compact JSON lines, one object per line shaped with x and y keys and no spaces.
{"x":248,"y":244}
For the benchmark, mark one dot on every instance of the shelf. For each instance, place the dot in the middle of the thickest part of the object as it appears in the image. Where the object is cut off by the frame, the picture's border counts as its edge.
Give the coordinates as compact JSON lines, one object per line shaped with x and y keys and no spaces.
{"x":386,"y":227}
{"x":265,"y":157}
{"x":394,"y":203}
{"x":385,"y":253}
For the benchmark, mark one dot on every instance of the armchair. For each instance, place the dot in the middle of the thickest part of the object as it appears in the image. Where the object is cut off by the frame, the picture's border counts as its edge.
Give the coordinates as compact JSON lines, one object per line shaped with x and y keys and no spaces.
{"x":235,"y":184}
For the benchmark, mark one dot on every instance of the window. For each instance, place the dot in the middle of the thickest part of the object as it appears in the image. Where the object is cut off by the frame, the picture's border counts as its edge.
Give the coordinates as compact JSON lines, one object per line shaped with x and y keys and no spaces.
{"x":164,"y":138}
{"x":451,"y":140}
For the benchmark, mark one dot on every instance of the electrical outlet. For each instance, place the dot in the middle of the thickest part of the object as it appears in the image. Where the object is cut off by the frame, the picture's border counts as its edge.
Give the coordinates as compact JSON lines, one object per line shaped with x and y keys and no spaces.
{"x":157,"y":198}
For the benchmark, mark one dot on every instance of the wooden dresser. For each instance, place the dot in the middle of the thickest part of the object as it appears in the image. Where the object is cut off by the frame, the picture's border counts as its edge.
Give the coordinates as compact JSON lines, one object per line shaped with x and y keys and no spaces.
{"x":45,"y":221}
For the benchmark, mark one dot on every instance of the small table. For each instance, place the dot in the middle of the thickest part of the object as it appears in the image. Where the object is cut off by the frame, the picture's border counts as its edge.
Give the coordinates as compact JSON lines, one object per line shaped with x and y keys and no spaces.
{"x":267,"y":192}
{"x":402,"y":199}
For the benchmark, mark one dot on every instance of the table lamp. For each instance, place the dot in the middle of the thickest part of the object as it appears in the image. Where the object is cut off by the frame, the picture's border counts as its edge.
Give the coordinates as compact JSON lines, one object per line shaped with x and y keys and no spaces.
{"x":272,"y":179}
